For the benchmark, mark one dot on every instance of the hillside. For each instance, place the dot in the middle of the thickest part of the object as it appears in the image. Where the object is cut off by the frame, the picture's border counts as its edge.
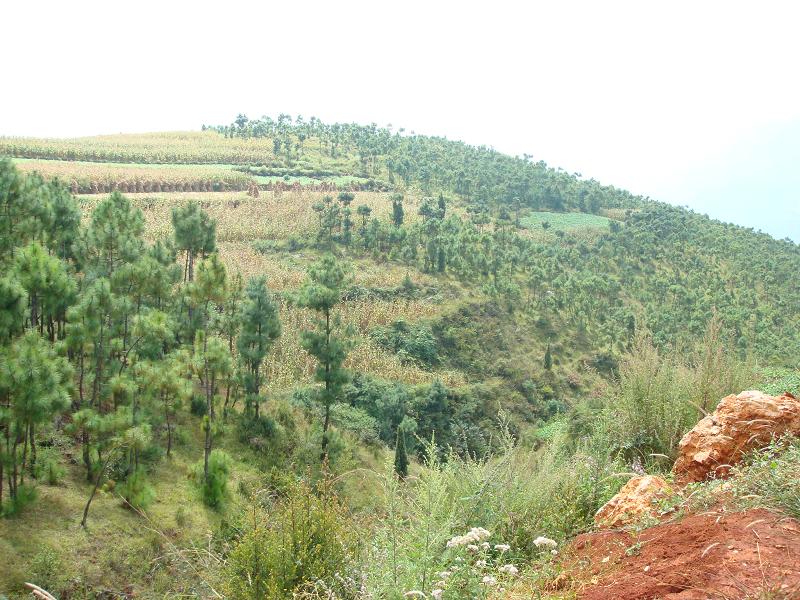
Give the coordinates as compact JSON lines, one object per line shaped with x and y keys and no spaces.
{"x":517,"y":334}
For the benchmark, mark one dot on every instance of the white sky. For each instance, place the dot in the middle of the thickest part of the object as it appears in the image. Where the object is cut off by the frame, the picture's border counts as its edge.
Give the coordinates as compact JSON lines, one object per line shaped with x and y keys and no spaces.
{"x":690,"y":102}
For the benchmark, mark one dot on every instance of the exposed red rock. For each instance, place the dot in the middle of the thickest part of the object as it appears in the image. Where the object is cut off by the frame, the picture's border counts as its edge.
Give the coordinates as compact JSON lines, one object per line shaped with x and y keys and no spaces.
{"x":636,"y":499}
{"x":739,"y":424}
{"x":751,"y":554}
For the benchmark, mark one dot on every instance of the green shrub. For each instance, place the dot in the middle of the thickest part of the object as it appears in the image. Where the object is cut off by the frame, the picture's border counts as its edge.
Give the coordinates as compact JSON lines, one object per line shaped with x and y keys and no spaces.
{"x":356,"y":421}
{"x":26,"y":495}
{"x":198,"y":405}
{"x":264,"y":427}
{"x":47,"y":570}
{"x":769,"y":478}
{"x":49,"y":468}
{"x":214,"y":488}
{"x":136,"y":491}
{"x":412,"y":343}
{"x":303,"y":539}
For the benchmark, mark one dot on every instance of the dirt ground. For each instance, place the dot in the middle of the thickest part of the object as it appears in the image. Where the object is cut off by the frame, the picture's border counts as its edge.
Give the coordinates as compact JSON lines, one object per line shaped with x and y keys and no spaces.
{"x":715,"y":555}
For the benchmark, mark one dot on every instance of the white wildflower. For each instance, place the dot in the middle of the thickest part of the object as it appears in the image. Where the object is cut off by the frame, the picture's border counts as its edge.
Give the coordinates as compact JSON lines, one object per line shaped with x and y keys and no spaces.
{"x":474,"y":535}
{"x":472,"y":548}
{"x":543,"y":541}
{"x":437,"y":594}
{"x":502,"y":547}
{"x":489,"y":580}
{"x":510,"y":569}
{"x":554,"y":552}
{"x":458,"y":540}
{"x":480,"y":563}
{"x":414,"y":594}
{"x":485,"y":545}
{"x":444,"y":574}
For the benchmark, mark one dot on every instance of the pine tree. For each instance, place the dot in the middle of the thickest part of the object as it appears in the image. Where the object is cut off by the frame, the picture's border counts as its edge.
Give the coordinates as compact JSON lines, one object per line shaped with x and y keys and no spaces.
{"x":114,"y":236}
{"x":347,"y":226}
{"x":211,"y":360}
{"x":260,"y":327}
{"x":24,"y":208}
{"x":436,"y":414}
{"x":64,"y":224}
{"x":400,"y":455}
{"x":49,"y":286}
{"x":322,"y":292}
{"x":195,"y":235}
{"x":13,"y":307}
{"x":397,"y":209}
{"x":548,"y":358}
{"x":211,"y":363}
{"x":89,"y":333}
{"x":34,"y":383}
{"x":166,"y":388}
{"x":228,"y":323}
{"x":442,"y":206}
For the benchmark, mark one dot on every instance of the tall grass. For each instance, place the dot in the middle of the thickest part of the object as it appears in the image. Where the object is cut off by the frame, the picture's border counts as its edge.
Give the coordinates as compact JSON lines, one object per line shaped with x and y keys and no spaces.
{"x":658,"y":397}
{"x":518,"y":496}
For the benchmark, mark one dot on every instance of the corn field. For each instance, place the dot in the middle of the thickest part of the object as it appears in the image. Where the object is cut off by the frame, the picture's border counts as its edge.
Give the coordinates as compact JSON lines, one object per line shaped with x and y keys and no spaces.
{"x":93,"y":178}
{"x":189,"y":147}
{"x":289,"y":365}
{"x":241,"y":218}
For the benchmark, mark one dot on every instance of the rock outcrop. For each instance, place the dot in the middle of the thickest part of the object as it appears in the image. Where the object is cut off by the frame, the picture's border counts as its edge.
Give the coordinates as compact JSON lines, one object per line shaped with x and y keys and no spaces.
{"x":635,"y":500}
{"x":739,"y":424}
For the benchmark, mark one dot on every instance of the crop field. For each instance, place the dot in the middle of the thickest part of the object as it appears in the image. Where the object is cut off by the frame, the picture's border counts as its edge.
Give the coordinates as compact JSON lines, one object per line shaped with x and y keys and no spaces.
{"x":182,"y":147}
{"x":92,"y":177}
{"x":290,"y":365}
{"x":159,"y":172}
{"x":564,"y":221}
{"x":241,"y":218}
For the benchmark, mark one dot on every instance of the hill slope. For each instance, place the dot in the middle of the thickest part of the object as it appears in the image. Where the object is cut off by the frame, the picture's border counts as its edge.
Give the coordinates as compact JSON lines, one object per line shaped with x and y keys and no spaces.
{"x":490,"y":297}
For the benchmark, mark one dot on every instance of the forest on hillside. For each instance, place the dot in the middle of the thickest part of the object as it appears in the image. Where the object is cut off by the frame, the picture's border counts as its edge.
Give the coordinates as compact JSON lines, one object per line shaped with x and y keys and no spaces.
{"x":338,"y":393}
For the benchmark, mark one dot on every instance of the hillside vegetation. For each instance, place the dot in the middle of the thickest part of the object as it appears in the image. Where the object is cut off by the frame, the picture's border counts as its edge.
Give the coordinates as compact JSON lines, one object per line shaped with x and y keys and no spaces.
{"x":385,"y":339}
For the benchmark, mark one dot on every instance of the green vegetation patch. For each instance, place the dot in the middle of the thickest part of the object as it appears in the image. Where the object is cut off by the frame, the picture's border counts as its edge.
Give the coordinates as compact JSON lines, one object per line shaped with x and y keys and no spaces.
{"x":339,"y":180}
{"x":564,"y":221}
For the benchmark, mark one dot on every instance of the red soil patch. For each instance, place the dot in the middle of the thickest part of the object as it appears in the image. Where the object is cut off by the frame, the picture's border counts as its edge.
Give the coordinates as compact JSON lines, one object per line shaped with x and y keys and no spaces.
{"x":713,"y":555}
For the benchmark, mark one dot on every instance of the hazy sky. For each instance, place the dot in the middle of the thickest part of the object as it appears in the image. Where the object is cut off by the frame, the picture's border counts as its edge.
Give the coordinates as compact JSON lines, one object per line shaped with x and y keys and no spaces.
{"x":694,"y":103}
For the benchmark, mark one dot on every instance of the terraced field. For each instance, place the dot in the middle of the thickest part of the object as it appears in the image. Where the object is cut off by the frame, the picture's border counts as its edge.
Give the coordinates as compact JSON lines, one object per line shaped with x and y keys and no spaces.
{"x":98,"y":177}
{"x":200,"y":161}
{"x":182,"y":147}
{"x":242,"y":218}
